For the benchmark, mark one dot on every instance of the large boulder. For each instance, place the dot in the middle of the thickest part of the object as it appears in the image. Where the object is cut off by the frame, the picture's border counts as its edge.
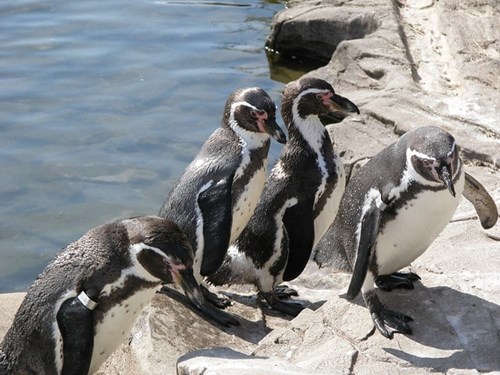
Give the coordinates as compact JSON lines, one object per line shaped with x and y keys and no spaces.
{"x":406,"y":63}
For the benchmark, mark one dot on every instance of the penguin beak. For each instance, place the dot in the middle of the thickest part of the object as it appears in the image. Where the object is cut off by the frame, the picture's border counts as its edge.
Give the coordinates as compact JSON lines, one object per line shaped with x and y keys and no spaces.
{"x":447,"y":178}
{"x":340,"y":108}
{"x":185,"y":279}
{"x":273,"y":129}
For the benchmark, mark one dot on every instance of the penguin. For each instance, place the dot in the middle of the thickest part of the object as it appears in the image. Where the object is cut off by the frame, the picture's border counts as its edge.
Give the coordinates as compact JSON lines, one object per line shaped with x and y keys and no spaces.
{"x":83,"y":305}
{"x":299,"y":201}
{"x":217,"y":193}
{"x":392,"y":210}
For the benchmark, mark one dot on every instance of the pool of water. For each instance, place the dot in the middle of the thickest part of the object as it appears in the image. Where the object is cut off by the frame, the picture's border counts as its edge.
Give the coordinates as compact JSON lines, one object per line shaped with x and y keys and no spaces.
{"x":102,"y":106}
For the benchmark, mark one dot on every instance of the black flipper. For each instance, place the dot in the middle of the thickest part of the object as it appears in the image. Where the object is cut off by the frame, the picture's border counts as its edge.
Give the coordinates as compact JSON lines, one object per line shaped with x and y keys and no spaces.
{"x":369,"y":230}
{"x":76,"y":323}
{"x":483,"y":203}
{"x":299,"y":224}
{"x":216,"y":210}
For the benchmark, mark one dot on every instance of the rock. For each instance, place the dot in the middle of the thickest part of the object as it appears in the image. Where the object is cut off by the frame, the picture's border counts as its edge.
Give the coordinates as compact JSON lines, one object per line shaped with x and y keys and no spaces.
{"x":417,"y":65}
{"x":9,"y":303}
{"x":405,"y":63}
{"x":169,"y":328}
{"x":456,"y":310}
{"x":223,"y":361}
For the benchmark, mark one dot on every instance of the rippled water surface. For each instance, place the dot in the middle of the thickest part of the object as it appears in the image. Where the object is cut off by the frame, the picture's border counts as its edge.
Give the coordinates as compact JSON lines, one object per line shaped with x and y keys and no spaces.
{"x":102,"y":106}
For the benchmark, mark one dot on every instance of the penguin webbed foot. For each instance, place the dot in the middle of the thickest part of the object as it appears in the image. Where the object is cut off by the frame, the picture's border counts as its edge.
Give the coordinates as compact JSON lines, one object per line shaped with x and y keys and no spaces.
{"x":387,"y":321}
{"x":285,"y":292}
{"x":214,"y":299}
{"x":396,"y":280}
{"x":289,"y":308}
{"x":203,"y":308}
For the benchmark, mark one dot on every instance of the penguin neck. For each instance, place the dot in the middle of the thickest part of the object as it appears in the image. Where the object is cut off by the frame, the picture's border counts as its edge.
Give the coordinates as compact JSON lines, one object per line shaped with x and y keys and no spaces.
{"x":248,"y":139}
{"x":310,"y":131}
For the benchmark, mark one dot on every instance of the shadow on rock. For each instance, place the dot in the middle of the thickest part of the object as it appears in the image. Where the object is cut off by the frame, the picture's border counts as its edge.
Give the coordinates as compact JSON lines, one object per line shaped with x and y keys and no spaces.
{"x":249,"y":330}
{"x":446,"y":319}
{"x":255,"y":302}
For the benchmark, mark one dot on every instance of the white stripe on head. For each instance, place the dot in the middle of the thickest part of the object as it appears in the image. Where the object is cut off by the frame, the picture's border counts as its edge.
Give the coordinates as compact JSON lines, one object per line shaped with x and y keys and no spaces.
{"x":248,"y":138}
{"x":296,"y":101}
{"x":136,"y":269}
{"x":412,"y":174}
{"x":453,"y":147}
{"x":311,"y":128}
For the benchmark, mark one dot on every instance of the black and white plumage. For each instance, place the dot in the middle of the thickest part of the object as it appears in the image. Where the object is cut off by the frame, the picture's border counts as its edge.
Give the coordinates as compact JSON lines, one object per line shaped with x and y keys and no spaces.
{"x":300,"y":197}
{"x":392,"y":210}
{"x":85,"y":302}
{"x":217,"y":193}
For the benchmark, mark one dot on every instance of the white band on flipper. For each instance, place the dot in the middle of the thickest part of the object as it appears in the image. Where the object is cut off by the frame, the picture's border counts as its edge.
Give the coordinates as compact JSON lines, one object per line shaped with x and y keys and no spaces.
{"x":380,"y":203}
{"x":86,"y":301}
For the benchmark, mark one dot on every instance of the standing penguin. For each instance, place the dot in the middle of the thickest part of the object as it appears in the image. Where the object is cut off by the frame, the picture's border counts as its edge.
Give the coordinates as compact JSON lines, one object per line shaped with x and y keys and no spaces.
{"x":393,"y":209}
{"x":215,"y":197}
{"x":300,"y":198}
{"x":85,"y":302}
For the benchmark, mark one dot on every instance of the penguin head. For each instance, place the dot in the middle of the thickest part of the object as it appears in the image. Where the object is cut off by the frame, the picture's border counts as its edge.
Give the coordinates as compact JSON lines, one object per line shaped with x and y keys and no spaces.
{"x":161,"y":252}
{"x":434,"y":155}
{"x":253,"y":110}
{"x":314,"y":97}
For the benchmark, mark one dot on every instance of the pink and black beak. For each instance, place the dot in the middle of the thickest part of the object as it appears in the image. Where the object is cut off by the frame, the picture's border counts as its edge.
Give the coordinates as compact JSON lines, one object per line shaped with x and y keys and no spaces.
{"x":183,"y":276}
{"x":340,"y":108}
{"x":445,"y":175}
{"x":267,"y":124}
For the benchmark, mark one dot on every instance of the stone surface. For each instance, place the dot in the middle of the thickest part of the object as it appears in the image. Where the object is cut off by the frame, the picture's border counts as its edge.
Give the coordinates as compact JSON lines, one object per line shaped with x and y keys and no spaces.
{"x":406,"y":63}
{"x":222,"y":361}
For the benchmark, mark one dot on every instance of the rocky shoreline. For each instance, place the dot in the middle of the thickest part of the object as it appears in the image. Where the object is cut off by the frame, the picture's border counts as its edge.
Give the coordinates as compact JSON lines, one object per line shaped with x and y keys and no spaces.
{"x":405,"y":64}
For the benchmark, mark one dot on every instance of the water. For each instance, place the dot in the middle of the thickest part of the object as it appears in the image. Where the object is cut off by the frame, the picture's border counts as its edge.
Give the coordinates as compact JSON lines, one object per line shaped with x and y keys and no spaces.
{"x":102,"y":106}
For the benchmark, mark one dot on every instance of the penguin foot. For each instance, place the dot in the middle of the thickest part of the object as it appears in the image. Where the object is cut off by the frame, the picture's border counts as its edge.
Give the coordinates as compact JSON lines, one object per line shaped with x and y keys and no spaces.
{"x":284,"y":292}
{"x":201,"y":307}
{"x":396,"y":280}
{"x":389,"y":322}
{"x":289,"y":308}
{"x":214,"y":299}
{"x":386,"y":321}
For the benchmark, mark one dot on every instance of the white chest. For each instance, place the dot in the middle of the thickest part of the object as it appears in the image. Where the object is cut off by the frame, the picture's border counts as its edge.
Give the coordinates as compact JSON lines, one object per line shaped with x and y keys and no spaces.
{"x":329,"y":211}
{"x":247,"y":201}
{"x":415,"y":228}
{"x":116,"y":325}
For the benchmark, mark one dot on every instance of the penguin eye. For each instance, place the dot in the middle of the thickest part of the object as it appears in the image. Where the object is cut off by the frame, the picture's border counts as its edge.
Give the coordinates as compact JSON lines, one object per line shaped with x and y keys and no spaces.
{"x":253,"y":114}
{"x":319,"y":96}
{"x":428,"y":163}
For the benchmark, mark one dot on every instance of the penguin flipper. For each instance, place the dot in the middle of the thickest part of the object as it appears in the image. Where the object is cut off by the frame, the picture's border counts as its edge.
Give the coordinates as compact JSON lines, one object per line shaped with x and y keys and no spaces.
{"x":370,"y":223}
{"x":483,"y":202}
{"x":299,"y":224}
{"x":215,"y":204}
{"x":76,"y":323}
